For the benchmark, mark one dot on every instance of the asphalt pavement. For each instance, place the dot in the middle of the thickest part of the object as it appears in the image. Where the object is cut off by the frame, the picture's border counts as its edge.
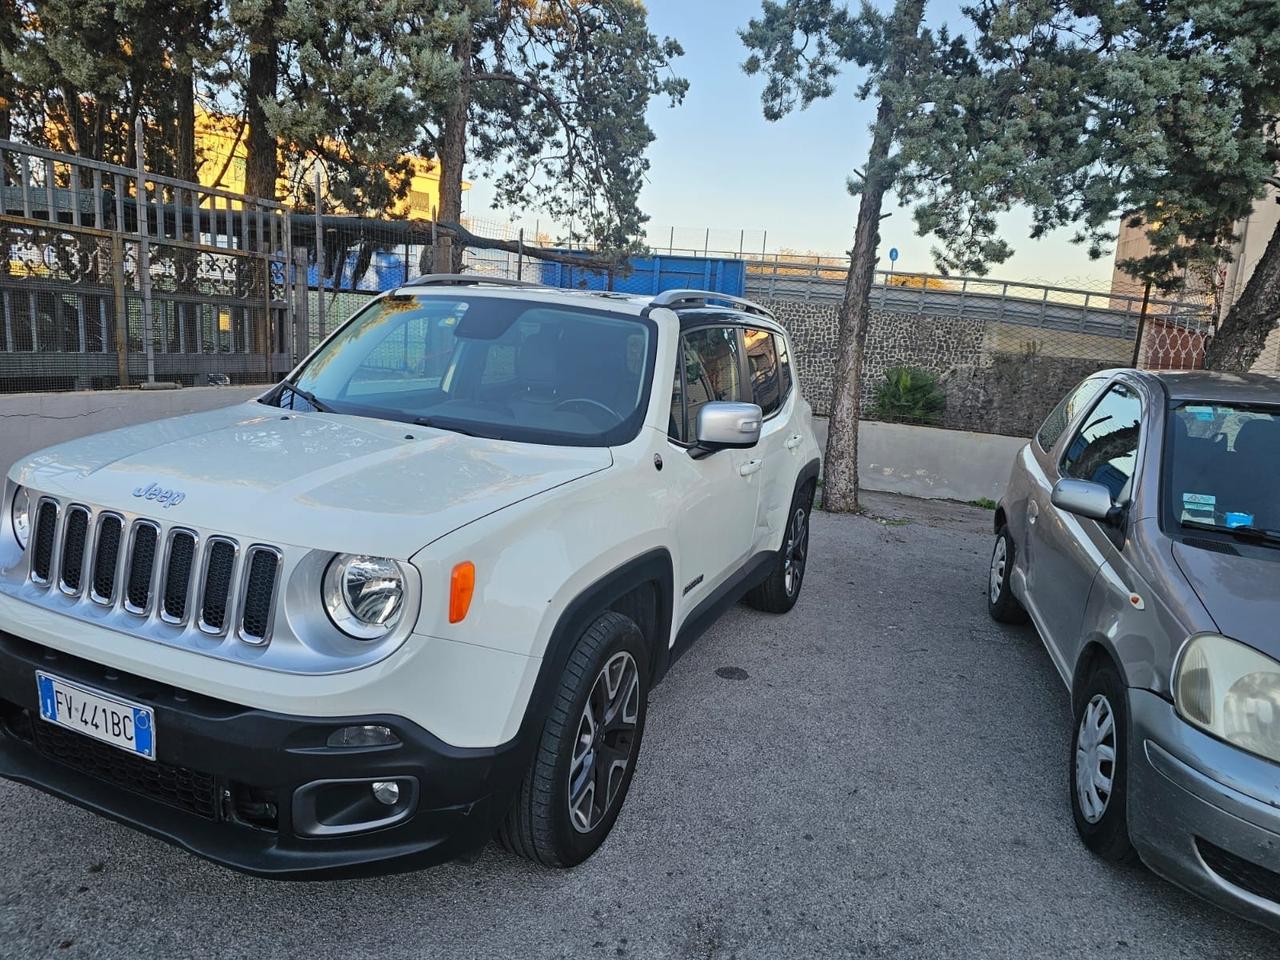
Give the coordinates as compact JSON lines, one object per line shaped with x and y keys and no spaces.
{"x":880,"y":773}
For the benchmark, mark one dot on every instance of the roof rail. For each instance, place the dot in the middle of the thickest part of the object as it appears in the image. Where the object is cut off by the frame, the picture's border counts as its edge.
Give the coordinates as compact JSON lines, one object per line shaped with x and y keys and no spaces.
{"x":675,"y":299}
{"x":466,"y":280}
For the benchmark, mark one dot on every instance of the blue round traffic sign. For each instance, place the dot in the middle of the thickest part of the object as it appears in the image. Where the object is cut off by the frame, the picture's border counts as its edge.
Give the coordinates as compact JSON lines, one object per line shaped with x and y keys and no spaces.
{"x":893,"y":254}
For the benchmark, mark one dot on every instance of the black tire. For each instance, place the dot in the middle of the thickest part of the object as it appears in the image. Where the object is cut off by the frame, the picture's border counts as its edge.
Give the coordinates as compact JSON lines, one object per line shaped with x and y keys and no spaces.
{"x":1001,"y":603}
{"x":540,"y":825}
{"x":1105,"y":831}
{"x":781,"y":590}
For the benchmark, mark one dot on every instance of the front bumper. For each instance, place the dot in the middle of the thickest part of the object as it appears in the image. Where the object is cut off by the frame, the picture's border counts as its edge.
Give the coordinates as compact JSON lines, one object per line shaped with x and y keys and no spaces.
{"x":1204,"y":814}
{"x":226,"y":781}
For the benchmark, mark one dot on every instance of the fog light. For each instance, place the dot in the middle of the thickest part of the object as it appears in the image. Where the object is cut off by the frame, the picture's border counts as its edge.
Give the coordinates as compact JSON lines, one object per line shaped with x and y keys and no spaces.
{"x":386,"y":791}
{"x":367,"y":735}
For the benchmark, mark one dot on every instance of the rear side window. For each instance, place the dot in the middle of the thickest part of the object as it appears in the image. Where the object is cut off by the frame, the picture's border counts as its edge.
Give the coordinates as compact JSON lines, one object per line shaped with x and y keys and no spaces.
{"x":1105,"y":448}
{"x":784,"y":364}
{"x":766,"y":373}
{"x":1065,"y":411}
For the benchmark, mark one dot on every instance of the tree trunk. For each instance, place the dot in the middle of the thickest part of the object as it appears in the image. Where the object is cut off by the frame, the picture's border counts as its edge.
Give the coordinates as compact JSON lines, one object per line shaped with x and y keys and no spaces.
{"x":185,"y":133}
{"x":840,"y":492}
{"x":262,"y":161}
{"x":452,"y":158}
{"x":1251,"y":318}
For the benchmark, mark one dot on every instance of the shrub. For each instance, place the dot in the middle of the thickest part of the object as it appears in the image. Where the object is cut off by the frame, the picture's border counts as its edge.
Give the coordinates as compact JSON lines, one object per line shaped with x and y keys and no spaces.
{"x":910,"y":395}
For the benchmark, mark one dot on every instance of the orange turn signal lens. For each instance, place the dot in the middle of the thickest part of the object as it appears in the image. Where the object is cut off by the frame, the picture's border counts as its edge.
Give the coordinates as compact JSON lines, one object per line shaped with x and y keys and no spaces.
{"x":462,"y":584}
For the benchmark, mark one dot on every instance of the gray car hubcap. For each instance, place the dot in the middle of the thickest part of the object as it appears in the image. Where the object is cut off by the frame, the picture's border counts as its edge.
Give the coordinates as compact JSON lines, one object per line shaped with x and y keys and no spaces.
{"x":795,"y":552}
{"x":1095,"y":758}
{"x":999,"y":557}
{"x":606,"y":738}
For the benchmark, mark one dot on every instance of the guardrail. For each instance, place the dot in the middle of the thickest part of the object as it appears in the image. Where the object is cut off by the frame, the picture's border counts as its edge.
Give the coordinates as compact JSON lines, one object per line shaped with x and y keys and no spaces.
{"x":1004,"y":301}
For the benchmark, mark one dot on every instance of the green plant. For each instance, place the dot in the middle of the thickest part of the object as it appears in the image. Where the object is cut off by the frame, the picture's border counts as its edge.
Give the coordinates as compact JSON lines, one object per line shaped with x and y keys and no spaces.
{"x":909,"y":394}
{"x":986,"y":503}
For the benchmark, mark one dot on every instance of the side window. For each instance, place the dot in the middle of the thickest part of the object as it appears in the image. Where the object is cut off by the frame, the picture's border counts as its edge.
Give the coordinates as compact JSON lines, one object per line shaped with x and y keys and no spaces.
{"x":784,"y":364}
{"x":1105,"y":448}
{"x":711,"y":371}
{"x":1063,"y":413}
{"x":766,"y":378}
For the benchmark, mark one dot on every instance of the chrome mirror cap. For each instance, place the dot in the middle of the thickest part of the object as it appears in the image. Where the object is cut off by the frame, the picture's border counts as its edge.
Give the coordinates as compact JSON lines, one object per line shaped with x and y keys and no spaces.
{"x":724,"y":425}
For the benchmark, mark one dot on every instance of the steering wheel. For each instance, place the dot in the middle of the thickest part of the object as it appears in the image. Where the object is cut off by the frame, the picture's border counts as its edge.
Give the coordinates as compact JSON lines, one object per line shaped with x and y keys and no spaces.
{"x":589,"y":402}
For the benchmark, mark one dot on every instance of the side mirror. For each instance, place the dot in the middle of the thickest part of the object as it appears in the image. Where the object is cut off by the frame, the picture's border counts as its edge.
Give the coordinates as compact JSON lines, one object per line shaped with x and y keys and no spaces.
{"x":724,"y":425}
{"x":1087,"y":499}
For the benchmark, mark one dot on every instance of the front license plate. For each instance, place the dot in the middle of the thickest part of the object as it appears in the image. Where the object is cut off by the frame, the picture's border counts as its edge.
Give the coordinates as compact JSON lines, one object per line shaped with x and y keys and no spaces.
{"x":129,"y":726}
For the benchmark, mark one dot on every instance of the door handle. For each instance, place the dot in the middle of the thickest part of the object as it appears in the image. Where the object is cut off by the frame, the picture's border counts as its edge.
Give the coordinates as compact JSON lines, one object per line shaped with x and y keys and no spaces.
{"x":792,"y":441}
{"x":1033,"y":511}
{"x":750,"y":467}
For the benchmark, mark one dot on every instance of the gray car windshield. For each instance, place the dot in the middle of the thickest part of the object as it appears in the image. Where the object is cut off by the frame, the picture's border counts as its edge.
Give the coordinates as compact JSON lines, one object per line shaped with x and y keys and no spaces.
{"x":1221,"y":464}
{"x":486,"y":366}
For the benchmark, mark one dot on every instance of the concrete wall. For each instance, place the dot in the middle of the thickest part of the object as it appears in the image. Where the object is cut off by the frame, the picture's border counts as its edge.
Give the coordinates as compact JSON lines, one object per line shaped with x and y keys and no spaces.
{"x":30,"y":421}
{"x":932,"y":463}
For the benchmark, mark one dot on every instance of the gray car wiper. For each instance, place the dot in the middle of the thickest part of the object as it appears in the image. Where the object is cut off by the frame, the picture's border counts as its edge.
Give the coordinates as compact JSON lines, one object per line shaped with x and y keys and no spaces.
{"x":1247,"y":533}
{"x":444,"y":423}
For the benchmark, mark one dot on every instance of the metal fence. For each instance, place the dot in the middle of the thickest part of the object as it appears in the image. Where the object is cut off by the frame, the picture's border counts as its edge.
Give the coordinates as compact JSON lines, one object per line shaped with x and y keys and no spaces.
{"x":115,"y":276}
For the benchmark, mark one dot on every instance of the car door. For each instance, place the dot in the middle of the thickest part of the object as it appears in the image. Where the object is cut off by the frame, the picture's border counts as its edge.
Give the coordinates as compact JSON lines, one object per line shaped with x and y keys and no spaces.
{"x":715,"y":495}
{"x":1066,"y":551}
{"x":779,"y":443}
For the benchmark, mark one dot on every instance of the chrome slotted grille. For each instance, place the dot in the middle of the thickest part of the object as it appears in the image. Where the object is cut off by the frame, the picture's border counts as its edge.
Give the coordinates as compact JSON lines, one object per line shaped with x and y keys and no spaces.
{"x":141,"y":566}
{"x":106,"y":558}
{"x":75,"y":538}
{"x":173,"y":575}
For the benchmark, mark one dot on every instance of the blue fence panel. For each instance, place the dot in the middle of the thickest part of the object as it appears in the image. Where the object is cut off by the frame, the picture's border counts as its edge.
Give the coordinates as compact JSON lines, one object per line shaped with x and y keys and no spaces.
{"x":648,"y":275}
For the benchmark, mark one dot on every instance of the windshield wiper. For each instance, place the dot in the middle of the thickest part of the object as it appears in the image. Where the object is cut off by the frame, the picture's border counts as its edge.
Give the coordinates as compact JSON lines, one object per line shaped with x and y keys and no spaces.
{"x":1245,"y":532}
{"x":440,"y":423}
{"x":306,"y":395}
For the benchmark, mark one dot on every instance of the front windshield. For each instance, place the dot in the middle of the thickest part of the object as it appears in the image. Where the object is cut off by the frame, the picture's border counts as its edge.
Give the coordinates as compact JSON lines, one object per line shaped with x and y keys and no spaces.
{"x":486,"y":366}
{"x":1221,"y":464}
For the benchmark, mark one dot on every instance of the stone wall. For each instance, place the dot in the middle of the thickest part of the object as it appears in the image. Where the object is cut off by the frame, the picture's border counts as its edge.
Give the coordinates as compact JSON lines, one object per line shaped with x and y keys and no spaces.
{"x":936,"y":344}
{"x":1011,"y":393}
{"x":998,"y":377}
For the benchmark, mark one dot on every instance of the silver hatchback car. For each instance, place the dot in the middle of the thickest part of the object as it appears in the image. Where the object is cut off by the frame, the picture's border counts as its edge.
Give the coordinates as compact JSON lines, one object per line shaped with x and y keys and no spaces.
{"x":1141,"y":534}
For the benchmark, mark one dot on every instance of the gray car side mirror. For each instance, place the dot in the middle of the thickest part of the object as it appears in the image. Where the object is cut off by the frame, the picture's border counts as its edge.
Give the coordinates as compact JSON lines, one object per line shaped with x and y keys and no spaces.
{"x":1087,"y":499}
{"x":725,"y":425}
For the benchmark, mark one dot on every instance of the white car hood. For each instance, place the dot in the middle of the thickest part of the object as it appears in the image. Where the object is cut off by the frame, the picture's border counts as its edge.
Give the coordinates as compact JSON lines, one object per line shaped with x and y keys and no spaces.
{"x":327,"y":481}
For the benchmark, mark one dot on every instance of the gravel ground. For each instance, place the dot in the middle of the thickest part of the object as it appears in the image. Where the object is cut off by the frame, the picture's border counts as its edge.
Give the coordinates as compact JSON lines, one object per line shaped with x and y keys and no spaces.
{"x":883,"y":774}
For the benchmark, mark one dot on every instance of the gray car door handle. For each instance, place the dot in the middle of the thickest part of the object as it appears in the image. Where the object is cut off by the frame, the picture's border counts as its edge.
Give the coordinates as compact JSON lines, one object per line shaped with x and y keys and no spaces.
{"x":792,"y":441}
{"x":1033,"y":511}
{"x":750,"y":467}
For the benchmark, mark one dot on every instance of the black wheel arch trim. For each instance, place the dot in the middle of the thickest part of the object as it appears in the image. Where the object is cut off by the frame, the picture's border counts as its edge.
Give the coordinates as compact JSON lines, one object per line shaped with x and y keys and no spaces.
{"x":652,"y":567}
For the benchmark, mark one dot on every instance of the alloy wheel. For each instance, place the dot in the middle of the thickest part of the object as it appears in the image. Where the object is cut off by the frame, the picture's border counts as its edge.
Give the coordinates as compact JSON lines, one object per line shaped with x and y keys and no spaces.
{"x":999,"y":558}
{"x":1095,"y":758}
{"x":603,"y":748}
{"x":795,"y":552}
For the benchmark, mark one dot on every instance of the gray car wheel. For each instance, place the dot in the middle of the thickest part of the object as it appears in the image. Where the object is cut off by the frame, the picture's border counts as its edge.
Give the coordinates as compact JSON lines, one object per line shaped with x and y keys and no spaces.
{"x":1099,"y":775}
{"x":1001,"y":603}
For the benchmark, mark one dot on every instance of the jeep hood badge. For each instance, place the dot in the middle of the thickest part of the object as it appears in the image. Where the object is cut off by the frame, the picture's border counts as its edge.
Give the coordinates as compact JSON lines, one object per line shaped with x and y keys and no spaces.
{"x":166,"y":498}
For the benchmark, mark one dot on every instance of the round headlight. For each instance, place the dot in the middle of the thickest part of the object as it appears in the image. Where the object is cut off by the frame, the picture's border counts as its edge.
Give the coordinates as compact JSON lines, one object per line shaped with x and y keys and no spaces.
{"x":20,"y":515}
{"x":1232,"y":691}
{"x":363,"y":595}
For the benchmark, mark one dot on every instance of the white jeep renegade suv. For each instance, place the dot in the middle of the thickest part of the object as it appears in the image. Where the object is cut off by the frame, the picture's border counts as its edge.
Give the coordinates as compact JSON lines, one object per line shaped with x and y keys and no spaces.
{"x":414,"y":595}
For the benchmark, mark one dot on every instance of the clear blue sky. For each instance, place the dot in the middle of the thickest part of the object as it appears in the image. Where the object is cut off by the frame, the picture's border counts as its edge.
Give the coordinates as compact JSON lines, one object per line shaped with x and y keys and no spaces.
{"x":718,"y":163}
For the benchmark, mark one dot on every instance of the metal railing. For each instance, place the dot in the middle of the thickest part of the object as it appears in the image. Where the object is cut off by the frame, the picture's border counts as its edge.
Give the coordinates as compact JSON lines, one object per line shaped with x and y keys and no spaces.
{"x":113,"y":275}
{"x":1003,"y":301}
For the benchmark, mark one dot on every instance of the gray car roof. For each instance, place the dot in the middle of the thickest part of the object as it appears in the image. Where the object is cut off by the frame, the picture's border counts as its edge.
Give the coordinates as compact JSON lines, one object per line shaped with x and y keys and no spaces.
{"x":1225,"y":387}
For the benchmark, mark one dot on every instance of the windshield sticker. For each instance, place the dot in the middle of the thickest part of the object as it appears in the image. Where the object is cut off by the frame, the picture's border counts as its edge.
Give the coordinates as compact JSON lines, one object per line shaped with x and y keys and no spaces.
{"x":1198,"y":506}
{"x":1200,"y":413}
{"x":1239,"y":519}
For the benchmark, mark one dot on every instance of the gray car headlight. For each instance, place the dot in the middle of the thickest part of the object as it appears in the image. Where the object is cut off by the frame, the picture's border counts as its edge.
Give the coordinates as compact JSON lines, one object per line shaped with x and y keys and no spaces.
{"x":363,"y":595}
{"x":1232,"y":691}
